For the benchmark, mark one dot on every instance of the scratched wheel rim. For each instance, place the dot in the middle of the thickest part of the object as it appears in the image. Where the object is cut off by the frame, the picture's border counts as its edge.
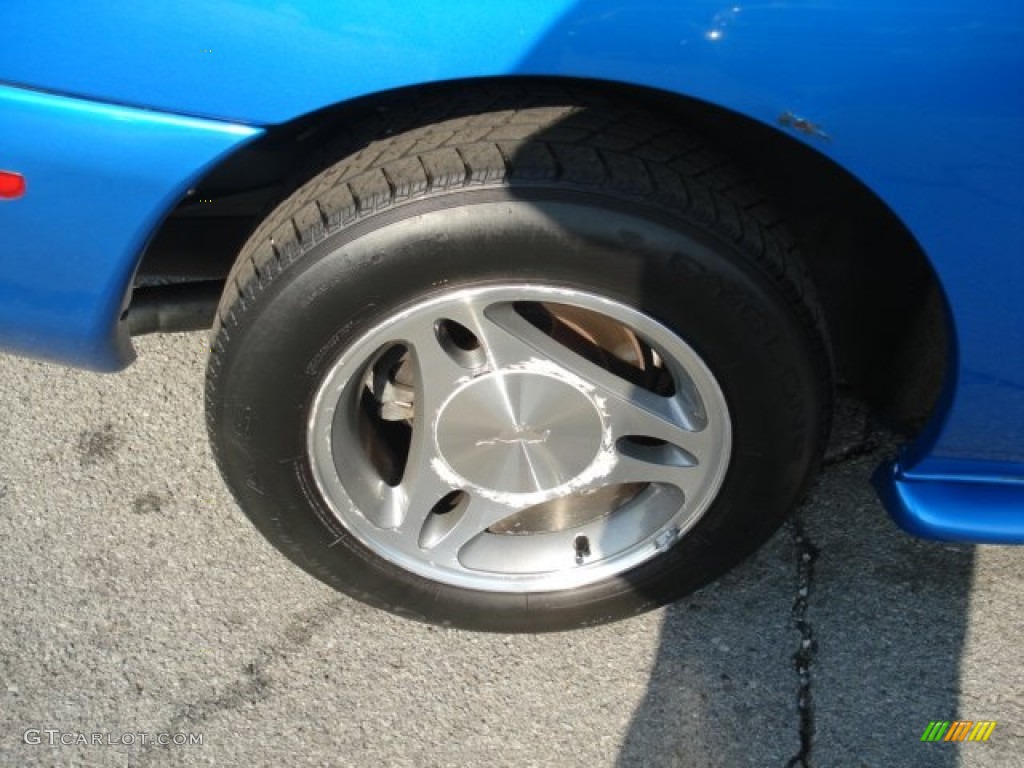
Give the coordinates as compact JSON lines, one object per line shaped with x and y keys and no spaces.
{"x":518,"y":438}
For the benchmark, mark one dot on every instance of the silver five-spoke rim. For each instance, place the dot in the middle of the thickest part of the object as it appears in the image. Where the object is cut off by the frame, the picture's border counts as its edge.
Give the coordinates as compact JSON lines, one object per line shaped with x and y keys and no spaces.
{"x":519,"y":438}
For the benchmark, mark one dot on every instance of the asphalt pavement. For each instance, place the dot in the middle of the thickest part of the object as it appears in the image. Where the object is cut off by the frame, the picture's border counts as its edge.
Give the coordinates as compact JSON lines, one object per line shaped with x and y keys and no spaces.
{"x":140,"y":606}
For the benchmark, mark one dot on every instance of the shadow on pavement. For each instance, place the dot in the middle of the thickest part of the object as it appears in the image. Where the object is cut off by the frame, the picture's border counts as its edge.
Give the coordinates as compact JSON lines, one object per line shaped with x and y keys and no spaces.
{"x":886,"y":617}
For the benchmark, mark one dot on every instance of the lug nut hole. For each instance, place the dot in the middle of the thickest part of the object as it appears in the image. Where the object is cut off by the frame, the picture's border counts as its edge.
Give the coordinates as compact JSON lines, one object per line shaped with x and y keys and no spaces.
{"x":582,"y":547}
{"x":461,"y":344}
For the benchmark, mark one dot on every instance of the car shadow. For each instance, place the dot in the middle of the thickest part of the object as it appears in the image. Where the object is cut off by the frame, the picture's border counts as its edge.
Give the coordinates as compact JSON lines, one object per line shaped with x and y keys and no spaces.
{"x":880,"y":638}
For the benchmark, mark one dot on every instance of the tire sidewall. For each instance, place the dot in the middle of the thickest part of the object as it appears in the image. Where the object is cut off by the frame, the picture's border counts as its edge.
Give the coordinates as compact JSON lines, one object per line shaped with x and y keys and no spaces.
{"x":287,"y":337}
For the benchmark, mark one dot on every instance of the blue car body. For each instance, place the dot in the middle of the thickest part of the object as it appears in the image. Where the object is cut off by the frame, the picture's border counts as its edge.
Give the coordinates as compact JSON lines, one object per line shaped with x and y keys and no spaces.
{"x":112,"y":112}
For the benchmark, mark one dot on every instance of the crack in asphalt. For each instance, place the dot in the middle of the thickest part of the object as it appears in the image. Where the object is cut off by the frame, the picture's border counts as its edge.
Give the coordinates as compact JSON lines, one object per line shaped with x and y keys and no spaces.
{"x":868,"y":444}
{"x":806,"y":556}
{"x":803,"y":659}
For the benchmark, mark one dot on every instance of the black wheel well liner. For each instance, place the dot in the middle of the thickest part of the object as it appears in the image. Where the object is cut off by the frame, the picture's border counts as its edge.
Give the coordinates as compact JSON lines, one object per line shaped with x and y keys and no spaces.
{"x":883,"y":304}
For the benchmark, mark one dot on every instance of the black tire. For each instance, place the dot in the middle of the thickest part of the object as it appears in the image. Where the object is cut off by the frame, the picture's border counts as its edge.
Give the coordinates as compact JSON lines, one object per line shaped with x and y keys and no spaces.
{"x":575,"y":193}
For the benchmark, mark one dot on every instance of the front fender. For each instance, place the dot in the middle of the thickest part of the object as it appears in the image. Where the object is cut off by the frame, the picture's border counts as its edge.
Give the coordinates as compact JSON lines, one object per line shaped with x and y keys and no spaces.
{"x":921,"y":101}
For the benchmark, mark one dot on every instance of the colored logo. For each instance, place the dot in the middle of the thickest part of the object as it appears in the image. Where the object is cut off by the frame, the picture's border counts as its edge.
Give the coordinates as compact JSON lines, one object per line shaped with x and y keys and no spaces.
{"x":958,"y":730}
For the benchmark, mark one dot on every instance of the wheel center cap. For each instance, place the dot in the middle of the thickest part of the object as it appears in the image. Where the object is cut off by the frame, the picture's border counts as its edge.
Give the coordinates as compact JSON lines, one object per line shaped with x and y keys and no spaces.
{"x":519,"y":431}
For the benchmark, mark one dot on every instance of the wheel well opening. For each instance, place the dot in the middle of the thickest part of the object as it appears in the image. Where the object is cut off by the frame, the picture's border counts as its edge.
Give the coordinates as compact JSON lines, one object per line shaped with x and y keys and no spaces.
{"x":883,"y":305}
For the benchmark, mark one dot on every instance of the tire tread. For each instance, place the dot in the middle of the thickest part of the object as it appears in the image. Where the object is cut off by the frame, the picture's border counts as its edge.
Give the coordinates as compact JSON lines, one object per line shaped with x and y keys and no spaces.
{"x":578,"y":139}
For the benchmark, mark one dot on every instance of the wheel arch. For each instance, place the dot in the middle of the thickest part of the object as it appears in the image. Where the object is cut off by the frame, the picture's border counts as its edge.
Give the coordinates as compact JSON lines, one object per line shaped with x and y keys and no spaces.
{"x":889,"y":322}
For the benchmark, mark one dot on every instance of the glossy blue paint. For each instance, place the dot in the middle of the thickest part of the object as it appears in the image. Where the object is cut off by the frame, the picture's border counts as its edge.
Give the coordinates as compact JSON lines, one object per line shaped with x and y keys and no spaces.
{"x":99,"y":179}
{"x":963,"y":508}
{"x":921,"y":101}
